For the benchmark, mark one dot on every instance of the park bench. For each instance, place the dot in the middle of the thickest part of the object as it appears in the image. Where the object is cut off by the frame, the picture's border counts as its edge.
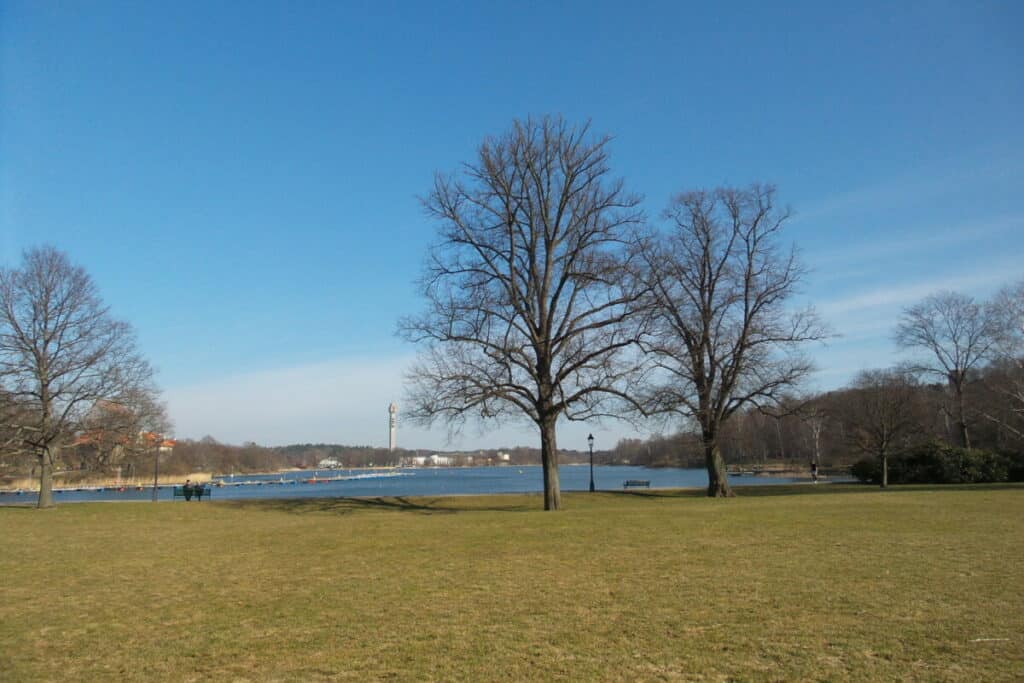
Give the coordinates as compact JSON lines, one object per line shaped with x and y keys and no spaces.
{"x":179,"y":491}
{"x":636,"y":483}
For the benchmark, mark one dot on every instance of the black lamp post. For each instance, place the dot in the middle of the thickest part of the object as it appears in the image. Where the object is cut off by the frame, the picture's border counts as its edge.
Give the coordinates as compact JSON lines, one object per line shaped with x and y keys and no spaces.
{"x":156,"y":470}
{"x":590,"y":440}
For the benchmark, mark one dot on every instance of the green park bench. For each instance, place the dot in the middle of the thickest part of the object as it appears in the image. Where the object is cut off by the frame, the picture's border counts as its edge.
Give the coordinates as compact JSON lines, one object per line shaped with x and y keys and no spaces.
{"x":179,"y":491}
{"x":636,"y":483}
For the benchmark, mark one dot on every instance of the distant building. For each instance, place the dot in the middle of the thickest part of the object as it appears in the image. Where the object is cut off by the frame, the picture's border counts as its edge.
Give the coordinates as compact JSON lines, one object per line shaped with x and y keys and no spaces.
{"x":435,"y":460}
{"x":166,"y":445}
{"x":145,"y":440}
{"x":328,"y":464}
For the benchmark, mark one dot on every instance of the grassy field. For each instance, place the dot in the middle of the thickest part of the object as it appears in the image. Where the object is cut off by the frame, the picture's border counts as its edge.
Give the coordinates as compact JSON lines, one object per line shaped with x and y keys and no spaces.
{"x":783,"y":583}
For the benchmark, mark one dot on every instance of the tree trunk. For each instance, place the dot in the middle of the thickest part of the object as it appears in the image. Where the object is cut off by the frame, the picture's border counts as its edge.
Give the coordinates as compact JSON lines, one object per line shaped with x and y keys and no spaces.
{"x":816,"y":428}
{"x":961,"y":417}
{"x":549,"y":462}
{"x":45,"y":479}
{"x":965,"y":440}
{"x":885,"y":470}
{"x":718,"y":482}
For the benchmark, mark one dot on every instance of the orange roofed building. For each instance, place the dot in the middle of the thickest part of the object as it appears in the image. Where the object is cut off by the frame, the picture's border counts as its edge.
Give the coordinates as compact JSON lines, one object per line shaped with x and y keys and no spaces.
{"x":148,"y":439}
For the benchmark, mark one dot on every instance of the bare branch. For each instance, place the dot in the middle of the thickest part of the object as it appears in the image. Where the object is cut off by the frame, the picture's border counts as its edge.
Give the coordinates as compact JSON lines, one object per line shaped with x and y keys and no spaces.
{"x":956,"y":335}
{"x":720,"y":332}
{"x":60,"y":354}
{"x":526,"y":289}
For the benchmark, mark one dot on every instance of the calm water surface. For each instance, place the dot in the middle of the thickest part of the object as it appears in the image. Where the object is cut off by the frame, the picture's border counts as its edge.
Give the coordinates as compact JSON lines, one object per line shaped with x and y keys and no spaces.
{"x":433,"y":481}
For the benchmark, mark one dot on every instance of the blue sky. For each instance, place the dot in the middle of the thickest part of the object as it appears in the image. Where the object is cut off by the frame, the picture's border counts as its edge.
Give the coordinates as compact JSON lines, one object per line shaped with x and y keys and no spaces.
{"x":241,"y":179}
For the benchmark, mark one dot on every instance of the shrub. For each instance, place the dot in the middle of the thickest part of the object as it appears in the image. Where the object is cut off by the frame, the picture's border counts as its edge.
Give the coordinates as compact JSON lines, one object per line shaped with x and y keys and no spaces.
{"x":1014,"y":466}
{"x":936,"y":462}
{"x":867,"y":471}
{"x":983,"y":466}
{"x":933,"y":462}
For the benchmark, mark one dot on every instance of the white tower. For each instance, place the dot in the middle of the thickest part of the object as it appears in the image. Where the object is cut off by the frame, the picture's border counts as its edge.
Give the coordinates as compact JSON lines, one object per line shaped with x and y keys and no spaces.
{"x":392,"y":425}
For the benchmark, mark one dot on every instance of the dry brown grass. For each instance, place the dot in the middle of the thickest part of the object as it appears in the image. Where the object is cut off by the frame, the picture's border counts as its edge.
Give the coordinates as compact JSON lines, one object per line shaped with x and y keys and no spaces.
{"x":906,"y":585}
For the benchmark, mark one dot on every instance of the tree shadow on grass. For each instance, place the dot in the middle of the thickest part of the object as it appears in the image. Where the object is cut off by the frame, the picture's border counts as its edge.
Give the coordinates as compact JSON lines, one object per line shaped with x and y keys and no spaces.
{"x":743,"y":491}
{"x":444,"y":505}
{"x":765,"y":491}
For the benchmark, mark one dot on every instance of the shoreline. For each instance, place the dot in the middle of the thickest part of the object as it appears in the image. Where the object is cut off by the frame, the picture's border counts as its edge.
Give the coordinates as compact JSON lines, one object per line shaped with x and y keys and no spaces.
{"x":697,"y":491}
{"x":31,"y":485}
{"x":23,"y":485}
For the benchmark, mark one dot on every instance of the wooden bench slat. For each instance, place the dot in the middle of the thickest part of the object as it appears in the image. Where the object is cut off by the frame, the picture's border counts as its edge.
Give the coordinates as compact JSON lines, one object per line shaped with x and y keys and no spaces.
{"x":178,"y":492}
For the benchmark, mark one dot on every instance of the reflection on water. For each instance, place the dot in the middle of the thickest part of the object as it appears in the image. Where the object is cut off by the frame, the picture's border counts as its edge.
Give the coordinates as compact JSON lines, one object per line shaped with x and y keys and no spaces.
{"x":429,"y":481}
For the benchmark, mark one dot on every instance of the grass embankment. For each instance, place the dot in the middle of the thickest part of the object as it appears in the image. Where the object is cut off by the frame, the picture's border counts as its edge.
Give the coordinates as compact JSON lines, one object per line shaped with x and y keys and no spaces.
{"x":909,"y":584}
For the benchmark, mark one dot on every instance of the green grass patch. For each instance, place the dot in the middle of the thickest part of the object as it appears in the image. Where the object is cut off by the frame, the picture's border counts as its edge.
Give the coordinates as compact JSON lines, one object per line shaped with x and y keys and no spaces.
{"x":920,"y":584}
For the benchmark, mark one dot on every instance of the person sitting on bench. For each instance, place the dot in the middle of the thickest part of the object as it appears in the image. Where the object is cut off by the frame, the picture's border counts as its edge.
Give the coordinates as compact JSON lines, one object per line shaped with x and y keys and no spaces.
{"x":187,"y":490}
{"x":198,"y":490}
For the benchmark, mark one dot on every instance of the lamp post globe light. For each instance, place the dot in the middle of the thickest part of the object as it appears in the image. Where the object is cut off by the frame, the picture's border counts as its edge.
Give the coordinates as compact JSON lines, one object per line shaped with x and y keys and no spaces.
{"x":590,"y":440}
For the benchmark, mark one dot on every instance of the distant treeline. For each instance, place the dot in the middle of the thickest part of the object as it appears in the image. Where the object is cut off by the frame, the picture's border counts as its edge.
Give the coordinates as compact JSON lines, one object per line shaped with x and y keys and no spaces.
{"x":833,"y":428}
{"x":210,"y":455}
{"x":841,"y":427}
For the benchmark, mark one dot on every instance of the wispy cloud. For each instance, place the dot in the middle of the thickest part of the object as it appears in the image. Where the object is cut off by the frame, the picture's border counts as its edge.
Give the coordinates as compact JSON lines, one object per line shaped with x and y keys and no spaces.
{"x":918,"y":240}
{"x":338,"y":401}
{"x":882,"y":297}
{"x":918,"y":184}
{"x":839,"y":362}
{"x":342,"y":401}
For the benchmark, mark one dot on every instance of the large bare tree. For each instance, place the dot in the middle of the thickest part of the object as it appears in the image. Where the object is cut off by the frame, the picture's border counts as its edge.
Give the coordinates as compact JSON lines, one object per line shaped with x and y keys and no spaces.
{"x":881,"y":413}
{"x":526,"y":299}
{"x":722,"y":333}
{"x":956,"y":335}
{"x":60,"y":353}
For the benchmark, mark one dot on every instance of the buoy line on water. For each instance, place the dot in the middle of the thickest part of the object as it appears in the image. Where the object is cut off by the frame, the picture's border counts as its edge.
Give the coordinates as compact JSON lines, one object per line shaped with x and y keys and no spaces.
{"x":215,"y":484}
{"x":311,"y":480}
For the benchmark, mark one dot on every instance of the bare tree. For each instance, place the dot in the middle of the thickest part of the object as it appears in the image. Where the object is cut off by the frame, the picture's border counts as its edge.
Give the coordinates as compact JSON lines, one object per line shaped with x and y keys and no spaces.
{"x":1006,"y":377}
{"x":722,"y":335}
{"x":60,"y":353}
{"x":526,"y":301}
{"x":882,"y":413}
{"x":957,"y":335}
{"x":813,"y":415}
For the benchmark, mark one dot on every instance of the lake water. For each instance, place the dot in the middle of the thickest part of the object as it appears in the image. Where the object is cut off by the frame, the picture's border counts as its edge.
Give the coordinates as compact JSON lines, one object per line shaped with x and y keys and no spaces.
{"x":432,"y":481}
